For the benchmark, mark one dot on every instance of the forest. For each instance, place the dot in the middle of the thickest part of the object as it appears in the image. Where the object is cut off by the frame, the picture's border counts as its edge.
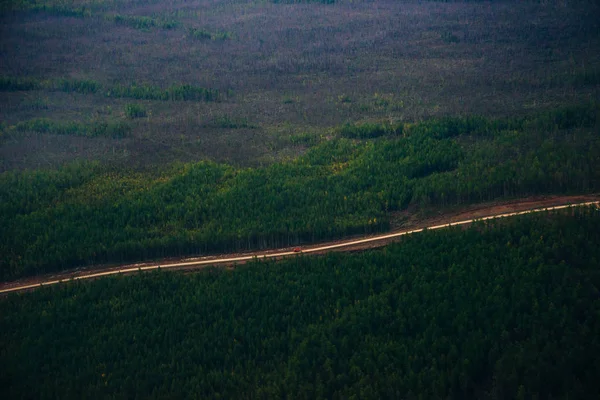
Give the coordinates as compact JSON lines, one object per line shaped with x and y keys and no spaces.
{"x":507,"y":309}
{"x":88,"y":213}
{"x":148,"y":130}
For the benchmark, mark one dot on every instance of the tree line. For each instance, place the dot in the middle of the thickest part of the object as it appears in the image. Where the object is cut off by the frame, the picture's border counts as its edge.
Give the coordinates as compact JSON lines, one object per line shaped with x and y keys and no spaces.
{"x":114,"y":129}
{"x":183,"y":92}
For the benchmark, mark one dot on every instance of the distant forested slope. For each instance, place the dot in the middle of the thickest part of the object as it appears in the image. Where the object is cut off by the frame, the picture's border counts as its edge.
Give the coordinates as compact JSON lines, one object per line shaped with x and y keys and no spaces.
{"x":508,"y":310}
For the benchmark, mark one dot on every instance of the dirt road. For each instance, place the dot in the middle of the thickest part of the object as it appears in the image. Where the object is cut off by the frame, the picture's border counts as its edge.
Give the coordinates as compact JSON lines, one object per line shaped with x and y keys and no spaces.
{"x":461,"y":217}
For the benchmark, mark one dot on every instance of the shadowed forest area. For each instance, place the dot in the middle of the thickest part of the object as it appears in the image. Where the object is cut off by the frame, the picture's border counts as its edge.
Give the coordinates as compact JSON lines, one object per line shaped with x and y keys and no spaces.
{"x":498,"y":311}
{"x":138,"y":130}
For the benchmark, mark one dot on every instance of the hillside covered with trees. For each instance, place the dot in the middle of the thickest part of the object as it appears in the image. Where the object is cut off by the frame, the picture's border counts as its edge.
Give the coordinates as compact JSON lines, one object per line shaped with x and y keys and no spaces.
{"x":502,"y":310}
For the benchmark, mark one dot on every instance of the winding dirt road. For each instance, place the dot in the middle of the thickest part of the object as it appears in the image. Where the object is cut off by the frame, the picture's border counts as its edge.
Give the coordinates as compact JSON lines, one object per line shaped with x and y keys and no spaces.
{"x":346,"y":245}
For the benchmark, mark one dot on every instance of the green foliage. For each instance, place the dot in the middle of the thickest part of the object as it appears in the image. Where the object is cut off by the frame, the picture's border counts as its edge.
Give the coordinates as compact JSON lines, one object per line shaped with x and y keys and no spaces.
{"x":369,"y":130}
{"x":308,"y":139}
{"x":222,"y":36}
{"x":199,"y":33}
{"x":339,"y":187}
{"x":174,"y":93}
{"x":13,"y":84}
{"x":565,"y":118}
{"x":142,"y":92}
{"x":68,"y":8}
{"x":73,"y":85}
{"x":115,"y":129}
{"x":57,"y":8}
{"x":142,"y":22}
{"x":445,"y":128}
{"x":344,"y":99}
{"x":35,"y":104}
{"x":134,"y":110}
{"x":42,"y":125}
{"x":27,"y":193}
{"x":449,"y":37}
{"x":383,"y":102}
{"x":495,"y":311}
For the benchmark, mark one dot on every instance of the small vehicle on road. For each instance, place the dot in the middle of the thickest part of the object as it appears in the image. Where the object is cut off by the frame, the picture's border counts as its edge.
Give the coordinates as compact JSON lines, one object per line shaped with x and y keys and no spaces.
{"x":297,"y":250}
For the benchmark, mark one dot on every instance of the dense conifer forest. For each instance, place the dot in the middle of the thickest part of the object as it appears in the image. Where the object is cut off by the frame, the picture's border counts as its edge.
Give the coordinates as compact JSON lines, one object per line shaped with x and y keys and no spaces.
{"x":502,"y":310}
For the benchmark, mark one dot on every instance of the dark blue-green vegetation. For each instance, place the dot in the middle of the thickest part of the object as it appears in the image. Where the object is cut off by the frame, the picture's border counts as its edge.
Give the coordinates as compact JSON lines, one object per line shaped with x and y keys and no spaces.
{"x":507,"y":310}
{"x":13,"y":84}
{"x":52,"y":220}
{"x":62,"y":8}
{"x":184,"y":92}
{"x":142,"y":22}
{"x":203,"y":34}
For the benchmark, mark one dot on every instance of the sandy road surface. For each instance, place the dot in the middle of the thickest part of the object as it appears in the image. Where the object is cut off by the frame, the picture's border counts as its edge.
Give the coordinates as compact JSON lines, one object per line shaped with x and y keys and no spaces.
{"x":465,"y":217}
